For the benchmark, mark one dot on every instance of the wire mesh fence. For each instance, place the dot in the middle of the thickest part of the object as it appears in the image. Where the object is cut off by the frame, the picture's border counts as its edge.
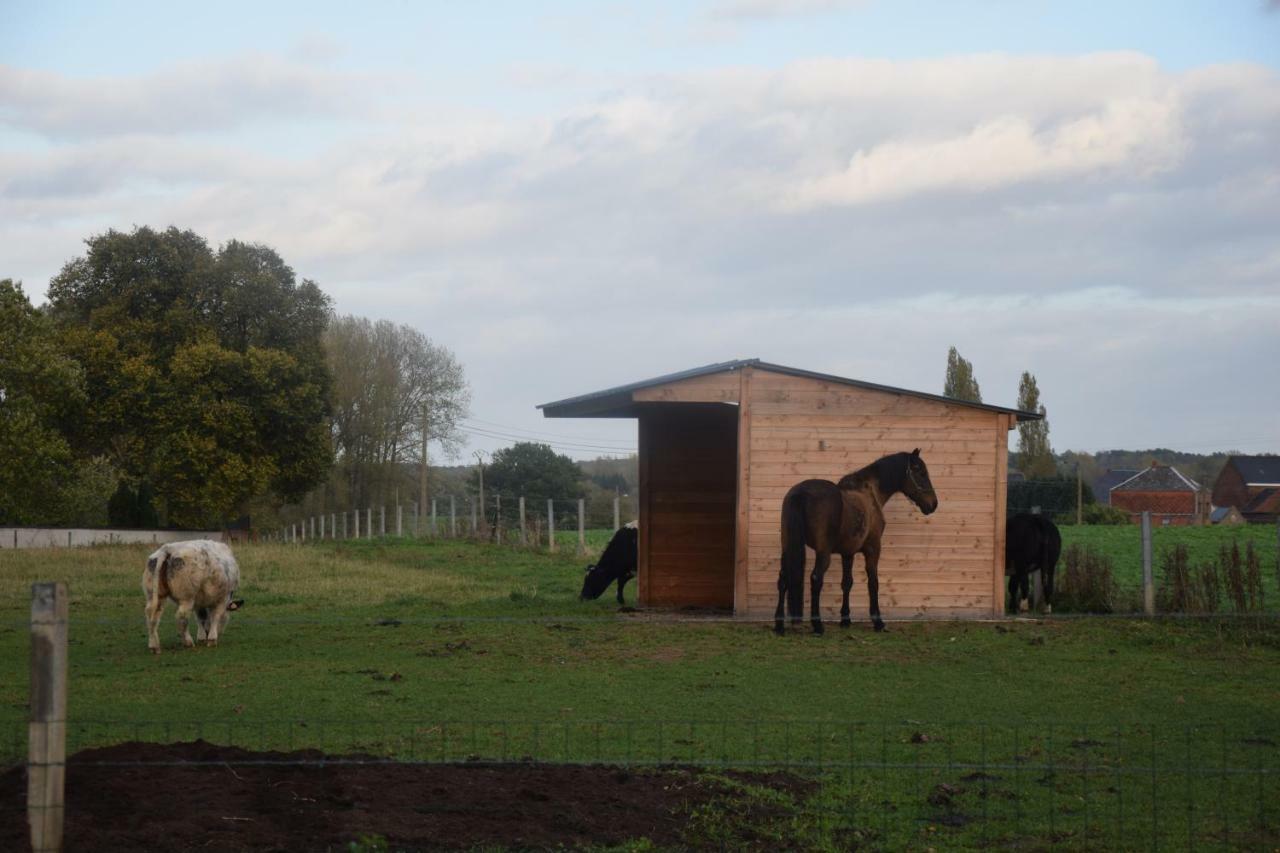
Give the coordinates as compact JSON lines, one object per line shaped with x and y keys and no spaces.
{"x":970,"y":783}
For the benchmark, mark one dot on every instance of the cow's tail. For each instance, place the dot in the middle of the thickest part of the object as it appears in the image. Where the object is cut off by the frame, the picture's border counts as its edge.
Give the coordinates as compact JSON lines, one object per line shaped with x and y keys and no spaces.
{"x":793,"y":533}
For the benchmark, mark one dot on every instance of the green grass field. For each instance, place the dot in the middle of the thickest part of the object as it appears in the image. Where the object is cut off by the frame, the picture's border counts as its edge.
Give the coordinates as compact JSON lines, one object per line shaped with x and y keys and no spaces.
{"x":954,"y":735}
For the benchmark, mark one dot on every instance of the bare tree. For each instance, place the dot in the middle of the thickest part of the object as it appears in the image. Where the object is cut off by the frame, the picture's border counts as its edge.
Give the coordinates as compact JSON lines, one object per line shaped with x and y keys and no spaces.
{"x":390,"y":383}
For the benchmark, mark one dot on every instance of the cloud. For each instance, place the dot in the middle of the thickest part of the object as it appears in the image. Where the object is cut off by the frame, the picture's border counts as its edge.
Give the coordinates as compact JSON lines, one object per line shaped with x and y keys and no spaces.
{"x":756,"y":10}
{"x":193,"y":97}
{"x":1097,"y":219}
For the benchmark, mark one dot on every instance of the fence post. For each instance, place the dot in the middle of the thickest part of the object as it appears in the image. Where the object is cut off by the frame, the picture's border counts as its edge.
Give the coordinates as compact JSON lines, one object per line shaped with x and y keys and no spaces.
{"x":582,"y":526}
{"x":551,"y":526}
{"x":382,"y":520}
{"x":524,"y":536}
{"x":355,"y":517}
{"x":433,"y":518}
{"x":474,"y":524}
{"x":1148,"y":586}
{"x":47,"y":731}
{"x":453,"y":517}
{"x":321,"y":525}
{"x":617,"y":516}
{"x":333,"y":525}
{"x":368,"y":522}
{"x":399,"y":515}
{"x":497,"y":519}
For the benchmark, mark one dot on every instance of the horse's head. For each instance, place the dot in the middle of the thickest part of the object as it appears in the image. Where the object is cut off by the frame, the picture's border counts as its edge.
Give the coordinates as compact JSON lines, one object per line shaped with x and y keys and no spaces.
{"x":916,"y":484}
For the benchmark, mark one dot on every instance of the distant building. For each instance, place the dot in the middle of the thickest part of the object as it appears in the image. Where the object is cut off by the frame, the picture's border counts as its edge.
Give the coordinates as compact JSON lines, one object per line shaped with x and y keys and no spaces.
{"x":1227,"y":516}
{"x":1113,"y":477}
{"x":1163,"y":491}
{"x":1251,"y":484}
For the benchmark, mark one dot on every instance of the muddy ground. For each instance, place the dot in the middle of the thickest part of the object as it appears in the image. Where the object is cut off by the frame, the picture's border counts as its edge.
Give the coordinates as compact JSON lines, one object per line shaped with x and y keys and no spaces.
{"x":154,"y":799}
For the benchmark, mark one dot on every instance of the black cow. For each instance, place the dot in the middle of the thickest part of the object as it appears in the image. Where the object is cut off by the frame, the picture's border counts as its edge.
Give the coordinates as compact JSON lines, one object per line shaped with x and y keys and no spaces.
{"x":1032,"y":543}
{"x":617,"y":563}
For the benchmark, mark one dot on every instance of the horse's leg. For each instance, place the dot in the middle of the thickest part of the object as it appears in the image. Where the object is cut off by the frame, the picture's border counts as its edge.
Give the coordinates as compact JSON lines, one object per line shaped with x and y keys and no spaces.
{"x":1011,"y":602}
{"x":872,"y":554}
{"x":815,"y":589}
{"x":778,"y":627}
{"x":846,"y":584}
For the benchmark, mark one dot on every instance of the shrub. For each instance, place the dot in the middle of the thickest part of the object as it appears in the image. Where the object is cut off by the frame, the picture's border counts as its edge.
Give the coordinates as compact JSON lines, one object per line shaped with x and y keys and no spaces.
{"x":1087,"y":583}
{"x":1179,"y":591}
{"x":1102,"y":514}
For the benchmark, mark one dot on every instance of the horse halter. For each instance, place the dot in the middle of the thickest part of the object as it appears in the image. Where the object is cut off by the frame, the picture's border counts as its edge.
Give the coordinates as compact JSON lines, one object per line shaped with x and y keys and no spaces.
{"x":912,"y":477}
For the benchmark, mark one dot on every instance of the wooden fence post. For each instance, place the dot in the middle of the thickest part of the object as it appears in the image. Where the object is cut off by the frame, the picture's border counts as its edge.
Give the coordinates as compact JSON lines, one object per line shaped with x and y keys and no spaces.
{"x":582,"y":526}
{"x":617,"y":512}
{"x":368,"y":522}
{"x":497,"y":519}
{"x":333,"y":525}
{"x":355,"y":518}
{"x":453,"y":517}
{"x":551,"y":526}
{"x":399,"y":514}
{"x":382,"y":520}
{"x":1148,"y":585}
{"x":524,"y":536}
{"x":322,"y":525}
{"x":434,"y":529}
{"x":47,"y":731}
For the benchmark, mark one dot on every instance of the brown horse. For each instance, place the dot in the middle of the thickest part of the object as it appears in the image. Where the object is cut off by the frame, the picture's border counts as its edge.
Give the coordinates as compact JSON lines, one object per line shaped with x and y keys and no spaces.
{"x":845,"y":518}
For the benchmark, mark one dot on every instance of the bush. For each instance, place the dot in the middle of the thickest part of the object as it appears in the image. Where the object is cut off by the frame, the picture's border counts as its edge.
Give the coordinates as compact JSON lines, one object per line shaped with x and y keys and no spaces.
{"x":1102,"y":514}
{"x":1200,"y":590}
{"x":1087,"y":582}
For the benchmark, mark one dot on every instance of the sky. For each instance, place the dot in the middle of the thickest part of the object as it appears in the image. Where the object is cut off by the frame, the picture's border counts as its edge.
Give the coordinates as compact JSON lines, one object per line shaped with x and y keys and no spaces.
{"x":572,"y":196}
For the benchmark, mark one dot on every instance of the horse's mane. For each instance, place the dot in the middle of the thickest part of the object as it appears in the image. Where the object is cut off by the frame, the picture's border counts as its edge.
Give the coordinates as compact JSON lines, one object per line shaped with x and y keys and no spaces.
{"x":889,"y":473}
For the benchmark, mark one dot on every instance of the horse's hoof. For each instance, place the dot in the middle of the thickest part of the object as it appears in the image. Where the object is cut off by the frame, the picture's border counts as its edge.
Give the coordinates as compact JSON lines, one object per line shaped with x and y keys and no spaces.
{"x":879,"y":625}
{"x":817,"y":628}
{"x":778,"y":628}
{"x":846,"y":623}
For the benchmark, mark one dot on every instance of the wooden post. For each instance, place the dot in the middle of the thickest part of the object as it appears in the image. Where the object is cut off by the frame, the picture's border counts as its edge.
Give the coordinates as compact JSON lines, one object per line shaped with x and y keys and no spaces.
{"x":333,"y":525}
{"x":551,"y":526}
{"x":524,"y":535}
{"x":1079,"y":497}
{"x":582,"y":526}
{"x":47,"y":731}
{"x":368,"y":522}
{"x":322,"y":525}
{"x":453,"y":517}
{"x":399,"y":516}
{"x":355,"y":516}
{"x":1148,"y":586}
{"x":617,"y":512}
{"x":434,"y":530}
{"x":497,"y":518}
{"x":382,"y":520}
{"x":474,"y":525}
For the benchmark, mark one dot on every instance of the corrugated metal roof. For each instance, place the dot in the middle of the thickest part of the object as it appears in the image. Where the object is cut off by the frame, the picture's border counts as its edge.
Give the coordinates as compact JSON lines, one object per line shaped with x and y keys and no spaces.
{"x":598,"y":402}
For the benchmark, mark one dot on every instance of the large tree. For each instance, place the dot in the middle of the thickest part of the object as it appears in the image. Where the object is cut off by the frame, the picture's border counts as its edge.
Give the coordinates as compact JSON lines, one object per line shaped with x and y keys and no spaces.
{"x":41,"y":395}
{"x":1035,"y":456}
{"x":206,"y":376}
{"x":535,"y":472}
{"x":960,"y":383}
{"x":391,"y":383}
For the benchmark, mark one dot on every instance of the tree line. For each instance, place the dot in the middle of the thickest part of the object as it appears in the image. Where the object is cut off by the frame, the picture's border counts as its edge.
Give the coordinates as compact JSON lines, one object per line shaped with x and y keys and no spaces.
{"x":1035,"y":455}
{"x":169,"y":383}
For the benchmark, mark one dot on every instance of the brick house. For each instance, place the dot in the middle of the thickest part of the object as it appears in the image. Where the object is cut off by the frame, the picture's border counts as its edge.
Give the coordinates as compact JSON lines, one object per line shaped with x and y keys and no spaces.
{"x":1163,"y":491}
{"x":1251,"y":484}
{"x":1106,"y":481}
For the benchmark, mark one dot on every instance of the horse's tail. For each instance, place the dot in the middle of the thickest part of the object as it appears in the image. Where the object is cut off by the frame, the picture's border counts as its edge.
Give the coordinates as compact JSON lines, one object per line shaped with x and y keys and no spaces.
{"x":794,"y":526}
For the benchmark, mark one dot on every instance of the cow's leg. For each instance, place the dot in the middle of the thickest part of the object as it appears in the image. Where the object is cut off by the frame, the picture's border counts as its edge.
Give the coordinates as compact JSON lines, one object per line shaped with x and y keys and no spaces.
{"x":1024,"y":589}
{"x":872,"y":555}
{"x":202,"y":624}
{"x":622,"y":582}
{"x":154,"y":610}
{"x":184,"y":618}
{"x":778,"y":614}
{"x":1011,"y":601}
{"x":846,"y":584}
{"x":217,"y":621}
{"x":816,"y":577}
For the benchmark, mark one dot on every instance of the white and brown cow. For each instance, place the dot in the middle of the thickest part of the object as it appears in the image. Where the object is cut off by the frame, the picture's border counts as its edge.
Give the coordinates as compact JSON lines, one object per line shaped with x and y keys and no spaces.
{"x":199,"y":575}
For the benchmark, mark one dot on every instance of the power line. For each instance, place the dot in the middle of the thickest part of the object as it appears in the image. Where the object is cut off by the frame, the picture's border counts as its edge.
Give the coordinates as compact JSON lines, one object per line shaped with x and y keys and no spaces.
{"x":574,"y":438}
{"x":620,"y":451}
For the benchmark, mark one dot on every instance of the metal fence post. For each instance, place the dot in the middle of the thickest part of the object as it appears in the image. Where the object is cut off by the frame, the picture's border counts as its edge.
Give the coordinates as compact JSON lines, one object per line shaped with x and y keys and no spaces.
{"x":551,"y":525}
{"x":1148,"y":586}
{"x":47,"y":731}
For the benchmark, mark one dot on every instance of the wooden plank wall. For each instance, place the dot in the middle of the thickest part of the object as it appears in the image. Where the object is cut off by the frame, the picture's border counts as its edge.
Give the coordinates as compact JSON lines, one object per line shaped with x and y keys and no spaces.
{"x":688,"y":490}
{"x":943,"y":565}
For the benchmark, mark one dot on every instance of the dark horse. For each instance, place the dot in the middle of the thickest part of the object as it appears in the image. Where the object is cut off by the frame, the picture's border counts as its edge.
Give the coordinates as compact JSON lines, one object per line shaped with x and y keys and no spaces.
{"x":1032,"y":543}
{"x":845,"y":518}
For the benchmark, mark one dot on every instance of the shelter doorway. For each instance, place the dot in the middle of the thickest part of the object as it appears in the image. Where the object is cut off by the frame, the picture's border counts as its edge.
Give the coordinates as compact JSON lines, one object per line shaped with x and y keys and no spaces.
{"x":688,"y":494}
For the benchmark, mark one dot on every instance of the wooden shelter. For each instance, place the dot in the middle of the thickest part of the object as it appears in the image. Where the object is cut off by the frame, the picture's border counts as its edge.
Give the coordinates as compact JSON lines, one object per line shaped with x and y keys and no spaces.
{"x":720,"y":446}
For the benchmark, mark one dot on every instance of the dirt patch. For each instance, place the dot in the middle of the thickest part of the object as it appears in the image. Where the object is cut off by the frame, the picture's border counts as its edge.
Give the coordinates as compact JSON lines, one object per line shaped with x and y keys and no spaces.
{"x":137,"y":796}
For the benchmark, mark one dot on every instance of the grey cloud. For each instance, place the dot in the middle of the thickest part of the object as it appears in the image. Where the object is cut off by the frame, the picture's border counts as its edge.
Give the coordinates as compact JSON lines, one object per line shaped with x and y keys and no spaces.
{"x":194,"y":97}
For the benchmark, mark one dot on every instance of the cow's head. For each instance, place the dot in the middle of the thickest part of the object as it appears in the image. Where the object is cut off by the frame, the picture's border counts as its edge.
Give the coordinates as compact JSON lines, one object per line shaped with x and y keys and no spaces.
{"x":595,"y":582}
